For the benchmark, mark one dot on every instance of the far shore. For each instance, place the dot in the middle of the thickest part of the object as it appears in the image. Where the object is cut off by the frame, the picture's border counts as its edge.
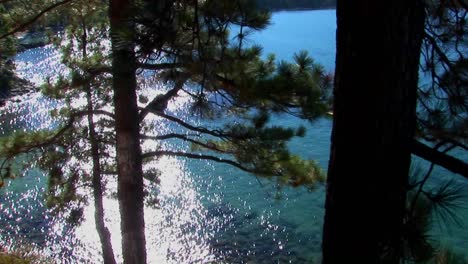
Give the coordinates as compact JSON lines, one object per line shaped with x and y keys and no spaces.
{"x":301,"y":9}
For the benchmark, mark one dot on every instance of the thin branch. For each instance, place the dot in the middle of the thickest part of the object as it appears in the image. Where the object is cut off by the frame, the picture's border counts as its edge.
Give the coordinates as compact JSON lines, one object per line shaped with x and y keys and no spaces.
{"x":185,"y":138}
{"x":94,"y":112}
{"x":444,"y":160}
{"x":453,"y":142}
{"x":23,"y":26}
{"x":53,"y":139}
{"x":443,"y":57}
{"x":193,"y":128}
{"x":160,"y":66}
{"x":421,"y":185}
{"x":159,"y":103}
{"x":164,"y":137}
{"x":49,"y":141}
{"x":112,"y":173}
{"x":99,"y":70}
{"x":228,"y":84}
{"x":196,"y":156}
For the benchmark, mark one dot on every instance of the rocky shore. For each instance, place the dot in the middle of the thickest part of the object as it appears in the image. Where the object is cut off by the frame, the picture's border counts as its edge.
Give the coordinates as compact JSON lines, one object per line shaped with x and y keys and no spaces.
{"x":11,"y":86}
{"x":32,"y":39}
{"x":17,"y":88}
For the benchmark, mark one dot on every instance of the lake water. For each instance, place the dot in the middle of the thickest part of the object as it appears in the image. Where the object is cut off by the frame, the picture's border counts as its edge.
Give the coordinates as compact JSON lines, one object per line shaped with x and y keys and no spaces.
{"x":208,"y":212}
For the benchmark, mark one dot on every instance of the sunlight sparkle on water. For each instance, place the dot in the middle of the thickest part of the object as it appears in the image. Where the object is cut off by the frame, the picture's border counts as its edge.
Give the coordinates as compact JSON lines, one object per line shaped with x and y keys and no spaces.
{"x":169,"y":227}
{"x":206,"y":211}
{"x":174,"y":227}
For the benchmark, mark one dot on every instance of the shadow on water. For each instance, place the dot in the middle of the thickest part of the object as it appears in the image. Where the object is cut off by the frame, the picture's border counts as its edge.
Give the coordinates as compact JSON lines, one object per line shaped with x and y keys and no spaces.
{"x":248,"y":238}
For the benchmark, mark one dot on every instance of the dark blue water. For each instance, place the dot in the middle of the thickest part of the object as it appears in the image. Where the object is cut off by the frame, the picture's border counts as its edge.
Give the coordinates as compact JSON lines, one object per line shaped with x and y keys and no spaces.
{"x":292,"y":31}
{"x":208,"y":211}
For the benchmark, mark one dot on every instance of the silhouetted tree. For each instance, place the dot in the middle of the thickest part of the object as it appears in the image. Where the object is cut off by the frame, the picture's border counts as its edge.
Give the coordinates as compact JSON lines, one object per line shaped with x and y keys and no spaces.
{"x":376,"y":120}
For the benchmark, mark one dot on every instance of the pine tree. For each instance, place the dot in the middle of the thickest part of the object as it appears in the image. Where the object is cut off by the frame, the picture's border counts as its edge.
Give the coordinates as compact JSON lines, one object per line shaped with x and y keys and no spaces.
{"x":84,"y":25}
{"x":187,"y":46}
{"x":377,"y":95}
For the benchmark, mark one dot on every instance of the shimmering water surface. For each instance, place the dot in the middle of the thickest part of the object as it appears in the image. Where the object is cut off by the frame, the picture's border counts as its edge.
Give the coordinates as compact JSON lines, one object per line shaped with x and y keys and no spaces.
{"x":208,"y":212}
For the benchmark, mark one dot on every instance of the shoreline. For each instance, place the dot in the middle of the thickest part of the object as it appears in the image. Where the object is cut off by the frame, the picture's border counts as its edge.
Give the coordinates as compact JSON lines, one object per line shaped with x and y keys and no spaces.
{"x":18,"y":88}
{"x":300,"y":9}
{"x":32,"y":39}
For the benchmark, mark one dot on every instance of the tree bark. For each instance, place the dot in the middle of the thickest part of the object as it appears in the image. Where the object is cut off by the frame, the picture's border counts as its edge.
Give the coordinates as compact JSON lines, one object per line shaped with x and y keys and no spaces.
{"x":378,"y":50}
{"x":104,"y":234}
{"x":129,"y":160}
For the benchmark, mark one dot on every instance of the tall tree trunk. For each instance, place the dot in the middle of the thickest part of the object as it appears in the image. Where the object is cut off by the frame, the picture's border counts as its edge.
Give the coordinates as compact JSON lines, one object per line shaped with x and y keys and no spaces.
{"x":378,"y":51}
{"x":104,"y":234}
{"x":129,"y":160}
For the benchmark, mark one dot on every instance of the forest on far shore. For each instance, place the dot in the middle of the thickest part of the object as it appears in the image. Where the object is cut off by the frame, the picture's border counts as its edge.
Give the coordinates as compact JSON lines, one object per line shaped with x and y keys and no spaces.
{"x":295,"y":4}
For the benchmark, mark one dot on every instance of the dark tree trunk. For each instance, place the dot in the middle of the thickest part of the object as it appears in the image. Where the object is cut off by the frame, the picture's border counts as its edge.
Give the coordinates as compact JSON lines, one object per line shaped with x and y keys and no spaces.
{"x":129,"y":160}
{"x":104,"y":234}
{"x":378,"y":50}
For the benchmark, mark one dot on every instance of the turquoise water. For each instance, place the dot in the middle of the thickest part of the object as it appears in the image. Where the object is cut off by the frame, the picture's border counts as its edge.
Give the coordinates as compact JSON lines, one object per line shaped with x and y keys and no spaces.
{"x":208,"y":211}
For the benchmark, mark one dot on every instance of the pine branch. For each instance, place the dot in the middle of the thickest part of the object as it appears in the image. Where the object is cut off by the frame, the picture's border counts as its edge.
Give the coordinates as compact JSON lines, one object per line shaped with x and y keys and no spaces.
{"x":202,"y":130}
{"x":47,"y":142}
{"x":94,"y":112}
{"x":159,"y":103}
{"x":185,"y":138}
{"x":444,"y":160}
{"x":453,"y":143}
{"x":196,"y":156}
{"x":443,"y":57}
{"x":54,"y":138}
{"x":421,"y":185}
{"x":99,"y":70}
{"x":160,"y":66}
{"x":23,"y":26}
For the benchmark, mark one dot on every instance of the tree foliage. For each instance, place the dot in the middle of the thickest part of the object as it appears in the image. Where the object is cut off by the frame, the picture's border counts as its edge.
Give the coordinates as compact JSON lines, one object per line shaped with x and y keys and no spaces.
{"x":228,"y":78}
{"x":443,"y":94}
{"x":428,"y":208}
{"x":190,"y":42}
{"x":195,"y":49}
